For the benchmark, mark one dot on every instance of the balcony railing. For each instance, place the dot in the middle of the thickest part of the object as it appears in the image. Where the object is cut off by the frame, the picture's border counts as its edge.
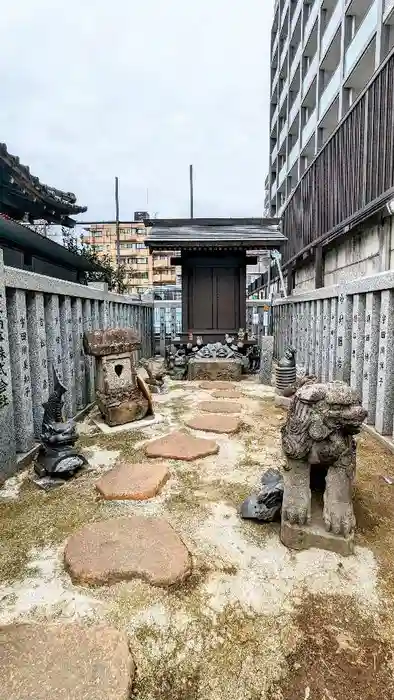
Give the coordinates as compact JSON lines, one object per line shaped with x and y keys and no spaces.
{"x":310,"y":74}
{"x":293,"y":155}
{"x":309,"y":128}
{"x":358,"y":164}
{"x":331,"y":29}
{"x":311,"y":20}
{"x":362,"y":38}
{"x":330,"y":92}
{"x":274,"y":117}
{"x":295,"y":108}
{"x":295,"y":62}
{"x":295,"y":17}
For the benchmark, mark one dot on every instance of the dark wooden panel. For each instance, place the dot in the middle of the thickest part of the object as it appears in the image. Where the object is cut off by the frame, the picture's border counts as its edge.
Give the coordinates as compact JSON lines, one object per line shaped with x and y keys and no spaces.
{"x":203,"y":298}
{"x":227,"y":307}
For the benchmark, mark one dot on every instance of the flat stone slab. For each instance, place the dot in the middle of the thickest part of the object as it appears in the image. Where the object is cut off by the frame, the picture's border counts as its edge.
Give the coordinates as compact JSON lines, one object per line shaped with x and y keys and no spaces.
{"x":135,"y":482}
{"x":214,"y":423}
{"x":122,"y":549}
{"x":219,"y":407}
{"x":126,"y":427}
{"x":48,"y":662}
{"x":216,"y":385}
{"x":179,"y":445}
{"x":226,"y":394}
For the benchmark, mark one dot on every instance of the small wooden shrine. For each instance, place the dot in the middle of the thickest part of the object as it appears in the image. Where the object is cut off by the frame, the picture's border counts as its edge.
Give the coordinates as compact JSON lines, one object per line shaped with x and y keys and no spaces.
{"x":213,"y":254}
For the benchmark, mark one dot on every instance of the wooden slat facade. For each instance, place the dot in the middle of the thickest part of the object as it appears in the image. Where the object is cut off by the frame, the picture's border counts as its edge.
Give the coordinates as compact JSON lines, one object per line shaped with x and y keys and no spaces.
{"x":352,"y":176}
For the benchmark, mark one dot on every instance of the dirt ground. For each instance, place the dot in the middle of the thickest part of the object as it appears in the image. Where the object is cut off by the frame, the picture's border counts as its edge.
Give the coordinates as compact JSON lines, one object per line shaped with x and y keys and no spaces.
{"x":255,"y":621}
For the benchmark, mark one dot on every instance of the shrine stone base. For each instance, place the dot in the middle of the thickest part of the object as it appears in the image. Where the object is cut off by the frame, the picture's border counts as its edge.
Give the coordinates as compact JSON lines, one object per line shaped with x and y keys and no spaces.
{"x":213,"y":369}
{"x":315,"y":535}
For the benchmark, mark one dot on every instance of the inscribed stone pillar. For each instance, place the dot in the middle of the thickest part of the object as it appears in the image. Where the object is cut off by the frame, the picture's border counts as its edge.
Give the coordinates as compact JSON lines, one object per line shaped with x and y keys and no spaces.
{"x":8,"y":462}
{"x":267,"y":350}
{"x":20,"y":369}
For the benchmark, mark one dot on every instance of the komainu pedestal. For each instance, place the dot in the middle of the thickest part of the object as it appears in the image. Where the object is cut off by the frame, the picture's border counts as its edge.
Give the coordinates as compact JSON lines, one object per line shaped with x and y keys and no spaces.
{"x":318,"y":442}
{"x":121,"y":395}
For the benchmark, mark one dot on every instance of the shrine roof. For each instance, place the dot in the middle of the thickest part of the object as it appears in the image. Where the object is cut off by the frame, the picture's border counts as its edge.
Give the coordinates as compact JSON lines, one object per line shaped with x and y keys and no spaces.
{"x":14,"y":235}
{"x":198,"y":234}
{"x":21,"y":193}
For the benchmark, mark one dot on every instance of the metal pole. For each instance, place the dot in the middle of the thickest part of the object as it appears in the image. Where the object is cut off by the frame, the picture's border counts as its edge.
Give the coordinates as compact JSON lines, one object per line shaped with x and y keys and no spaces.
{"x":191,"y":192}
{"x":117,"y":221}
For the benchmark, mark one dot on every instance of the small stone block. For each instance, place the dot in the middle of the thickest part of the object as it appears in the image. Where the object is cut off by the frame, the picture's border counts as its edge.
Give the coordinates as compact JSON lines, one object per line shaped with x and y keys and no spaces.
{"x":135,"y":482}
{"x":200,"y":368}
{"x":179,"y":445}
{"x":219,"y":407}
{"x":214,"y":423}
{"x":64,"y":661}
{"x":282,"y":401}
{"x":122,"y":549}
{"x":315,"y":535}
{"x":216,"y":385}
{"x":226,"y":394}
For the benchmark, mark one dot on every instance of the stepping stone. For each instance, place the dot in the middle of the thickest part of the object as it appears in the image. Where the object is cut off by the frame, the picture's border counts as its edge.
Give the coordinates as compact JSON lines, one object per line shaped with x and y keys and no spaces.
{"x":226,"y":394}
{"x":135,"y":482}
{"x":219,"y":407}
{"x":216,"y":385}
{"x":179,"y":445}
{"x":48,"y":662}
{"x":214,"y":423}
{"x":124,"y":548}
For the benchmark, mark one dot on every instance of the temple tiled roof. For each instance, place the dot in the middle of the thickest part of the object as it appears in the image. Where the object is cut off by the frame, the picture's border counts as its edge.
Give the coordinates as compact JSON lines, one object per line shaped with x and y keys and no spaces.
{"x":22,"y":194}
{"x":175,"y":234}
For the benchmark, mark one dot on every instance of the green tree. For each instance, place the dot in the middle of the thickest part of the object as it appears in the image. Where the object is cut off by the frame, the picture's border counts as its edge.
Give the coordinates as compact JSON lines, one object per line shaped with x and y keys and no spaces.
{"x":113,"y":275}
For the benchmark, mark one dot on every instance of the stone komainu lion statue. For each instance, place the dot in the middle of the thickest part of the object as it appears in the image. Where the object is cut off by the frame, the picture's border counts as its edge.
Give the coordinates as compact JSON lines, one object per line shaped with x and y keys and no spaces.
{"x":318,"y":433}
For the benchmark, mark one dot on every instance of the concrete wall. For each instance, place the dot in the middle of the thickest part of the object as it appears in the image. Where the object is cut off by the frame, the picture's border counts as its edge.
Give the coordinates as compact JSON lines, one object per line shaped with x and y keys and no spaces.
{"x":304,"y":278}
{"x":363,"y":254}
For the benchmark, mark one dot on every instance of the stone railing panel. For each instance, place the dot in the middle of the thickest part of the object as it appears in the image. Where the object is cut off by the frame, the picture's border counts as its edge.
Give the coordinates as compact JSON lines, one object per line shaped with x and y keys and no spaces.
{"x":42,"y":321}
{"x":345,"y":332}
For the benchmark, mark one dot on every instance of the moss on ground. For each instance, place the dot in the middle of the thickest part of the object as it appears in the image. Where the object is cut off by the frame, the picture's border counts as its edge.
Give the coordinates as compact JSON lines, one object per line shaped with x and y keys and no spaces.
{"x":37,"y":519}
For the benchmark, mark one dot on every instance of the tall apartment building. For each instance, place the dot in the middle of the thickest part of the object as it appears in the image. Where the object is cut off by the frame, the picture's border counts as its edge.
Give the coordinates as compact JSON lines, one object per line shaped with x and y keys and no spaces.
{"x":323,"y":53}
{"x":144,"y":270}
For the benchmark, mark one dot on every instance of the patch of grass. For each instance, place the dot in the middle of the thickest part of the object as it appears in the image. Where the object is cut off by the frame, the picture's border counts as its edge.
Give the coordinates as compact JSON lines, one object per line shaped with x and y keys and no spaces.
{"x":37,"y":519}
{"x":217,"y":656}
{"x":124,"y":442}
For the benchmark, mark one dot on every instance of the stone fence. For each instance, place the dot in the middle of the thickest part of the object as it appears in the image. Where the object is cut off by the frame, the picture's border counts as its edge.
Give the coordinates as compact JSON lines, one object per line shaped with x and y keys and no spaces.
{"x":42,"y":321}
{"x":168,"y":320}
{"x":345,"y":332}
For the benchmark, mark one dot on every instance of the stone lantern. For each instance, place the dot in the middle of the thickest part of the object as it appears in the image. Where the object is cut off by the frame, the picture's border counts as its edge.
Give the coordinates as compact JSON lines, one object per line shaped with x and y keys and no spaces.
{"x":122,"y":396}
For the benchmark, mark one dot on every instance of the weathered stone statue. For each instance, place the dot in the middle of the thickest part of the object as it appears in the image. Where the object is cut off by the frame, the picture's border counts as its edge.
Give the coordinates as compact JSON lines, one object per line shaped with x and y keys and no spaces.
{"x":56,"y":456}
{"x":155,"y":369}
{"x":288,"y":359}
{"x":121,"y":395}
{"x":317,"y":440}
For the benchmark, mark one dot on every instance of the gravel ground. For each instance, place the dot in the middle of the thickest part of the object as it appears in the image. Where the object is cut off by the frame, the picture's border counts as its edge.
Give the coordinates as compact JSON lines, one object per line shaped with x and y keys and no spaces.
{"x":255,"y":621}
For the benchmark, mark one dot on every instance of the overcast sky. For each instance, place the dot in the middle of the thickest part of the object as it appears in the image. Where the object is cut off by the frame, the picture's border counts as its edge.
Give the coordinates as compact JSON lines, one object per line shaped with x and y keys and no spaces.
{"x":91,"y":89}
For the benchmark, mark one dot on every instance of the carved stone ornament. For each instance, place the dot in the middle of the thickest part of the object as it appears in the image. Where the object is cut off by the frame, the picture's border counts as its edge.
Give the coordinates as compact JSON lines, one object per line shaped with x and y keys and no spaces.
{"x":56,"y":455}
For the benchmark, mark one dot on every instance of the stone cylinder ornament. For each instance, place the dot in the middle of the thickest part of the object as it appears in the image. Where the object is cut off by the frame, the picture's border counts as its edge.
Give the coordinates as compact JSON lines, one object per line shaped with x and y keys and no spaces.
{"x":285,"y":372}
{"x":121,"y":395}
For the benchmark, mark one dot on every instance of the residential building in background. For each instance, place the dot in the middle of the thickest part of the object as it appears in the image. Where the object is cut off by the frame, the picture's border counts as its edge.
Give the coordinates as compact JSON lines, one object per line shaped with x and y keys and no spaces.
{"x":144,"y":270}
{"x":323,"y":54}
